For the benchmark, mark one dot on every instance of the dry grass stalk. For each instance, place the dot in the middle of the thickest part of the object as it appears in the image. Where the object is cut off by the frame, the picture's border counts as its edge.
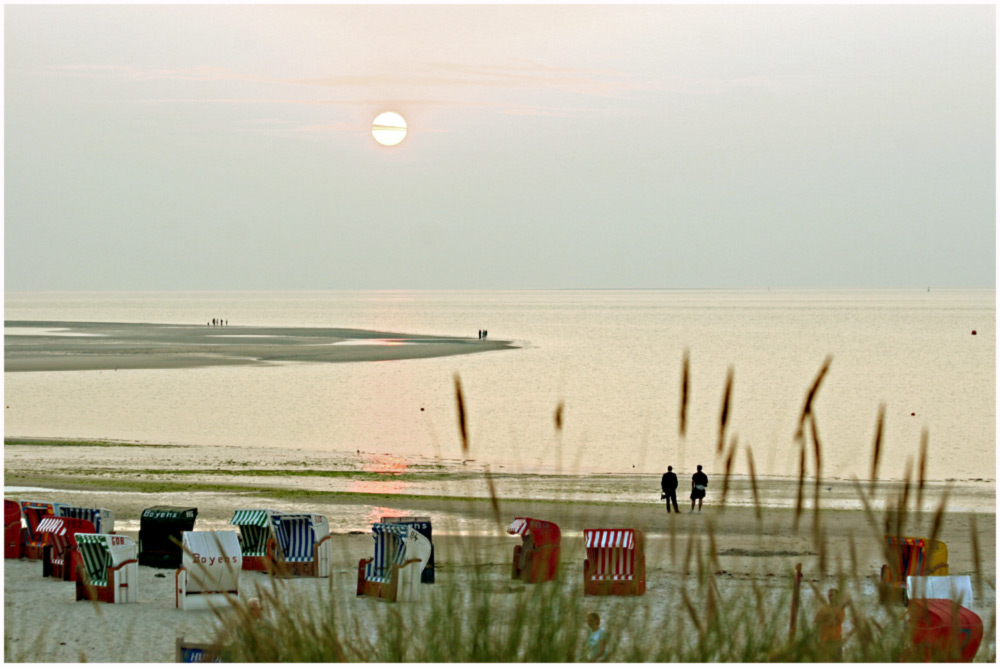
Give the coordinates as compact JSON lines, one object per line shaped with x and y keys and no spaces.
{"x":559,"y":416}
{"x":802,"y":478}
{"x":494,"y":500}
{"x":713,"y":551}
{"x":810,"y":395}
{"x":461,"y":414}
{"x":975,"y":557}
{"x":904,"y":498}
{"x":922,"y":469}
{"x":685,"y":379}
{"x":938,"y":519}
{"x":724,"y":415}
{"x":753,"y":483}
{"x":693,"y":614}
{"x":817,"y":449}
{"x":729,"y":465}
{"x":877,"y":448}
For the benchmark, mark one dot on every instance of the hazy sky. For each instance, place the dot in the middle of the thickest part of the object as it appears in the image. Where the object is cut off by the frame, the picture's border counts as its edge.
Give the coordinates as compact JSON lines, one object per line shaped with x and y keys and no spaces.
{"x":229,"y":147}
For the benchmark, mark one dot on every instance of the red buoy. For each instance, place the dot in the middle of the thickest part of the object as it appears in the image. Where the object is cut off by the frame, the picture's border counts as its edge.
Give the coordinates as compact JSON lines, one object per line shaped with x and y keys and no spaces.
{"x":973,"y":332}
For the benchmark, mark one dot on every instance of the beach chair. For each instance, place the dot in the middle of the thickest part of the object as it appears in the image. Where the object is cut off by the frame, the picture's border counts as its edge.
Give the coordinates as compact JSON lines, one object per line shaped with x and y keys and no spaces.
{"x":942,"y":631}
{"x":12,"y":529}
{"x":957,"y":588}
{"x":160,"y":531}
{"x":616,"y":562}
{"x":196,"y":651}
{"x":393,"y":573}
{"x":60,"y":556}
{"x":34,"y":511}
{"x":422,"y":524}
{"x":210,"y":573}
{"x":303,"y":542}
{"x":109,"y":570}
{"x":257,"y":539}
{"x":911,"y":556}
{"x":536,"y":559}
{"x":103,"y":519}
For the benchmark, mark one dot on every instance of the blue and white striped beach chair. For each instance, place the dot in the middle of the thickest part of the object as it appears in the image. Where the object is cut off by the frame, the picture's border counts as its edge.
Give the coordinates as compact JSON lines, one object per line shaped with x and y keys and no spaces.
{"x":304,"y":546}
{"x":393,"y":572}
{"x":103,"y":519}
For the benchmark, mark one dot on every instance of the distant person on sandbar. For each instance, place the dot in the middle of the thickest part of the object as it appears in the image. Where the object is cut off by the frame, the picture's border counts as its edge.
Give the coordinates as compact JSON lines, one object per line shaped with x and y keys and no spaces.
{"x":480,"y":334}
{"x":668,"y":484}
{"x":597,"y":640}
{"x":698,"y":483}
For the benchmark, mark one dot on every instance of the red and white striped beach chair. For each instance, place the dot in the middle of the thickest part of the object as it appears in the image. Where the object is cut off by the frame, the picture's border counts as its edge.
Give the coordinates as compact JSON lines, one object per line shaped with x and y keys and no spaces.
{"x":34,"y":511}
{"x":110,"y":571}
{"x":60,"y":559}
{"x":210,"y":570}
{"x":537,"y":557}
{"x":11,"y":529}
{"x":616,"y":562}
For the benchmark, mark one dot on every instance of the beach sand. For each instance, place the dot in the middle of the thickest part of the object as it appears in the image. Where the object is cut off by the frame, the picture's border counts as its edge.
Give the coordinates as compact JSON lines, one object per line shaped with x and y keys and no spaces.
{"x":44,"y":623}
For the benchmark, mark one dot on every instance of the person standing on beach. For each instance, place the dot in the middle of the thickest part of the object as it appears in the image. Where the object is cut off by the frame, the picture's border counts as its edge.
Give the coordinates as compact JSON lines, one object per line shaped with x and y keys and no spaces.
{"x":830,"y":622}
{"x":698,"y":483}
{"x":597,"y":640}
{"x":668,"y":484}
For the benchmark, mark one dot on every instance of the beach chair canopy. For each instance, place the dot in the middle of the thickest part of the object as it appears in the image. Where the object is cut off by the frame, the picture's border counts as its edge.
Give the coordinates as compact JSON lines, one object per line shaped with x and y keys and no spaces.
{"x":394,"y":545}
{"x":34,"y":511}
{"x":297,"y":534}
{"x":543,"y":533}
{"x":62,"y":531}
{"x":917,"y":556}
{"x":11,"y":513}
{"x":944,"y":625}
{"x":256,"y":528}
{"x":611,"y":553}
{"x":212,"y":559}
{"x":955,"y":588}
{"x":103,"y":519}
{"x":99,"y":552}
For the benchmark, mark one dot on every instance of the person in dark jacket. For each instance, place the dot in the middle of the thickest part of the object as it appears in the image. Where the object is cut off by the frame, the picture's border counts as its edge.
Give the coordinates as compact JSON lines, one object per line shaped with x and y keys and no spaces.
{"x":668,"y":483}
{"x":698,"y":483}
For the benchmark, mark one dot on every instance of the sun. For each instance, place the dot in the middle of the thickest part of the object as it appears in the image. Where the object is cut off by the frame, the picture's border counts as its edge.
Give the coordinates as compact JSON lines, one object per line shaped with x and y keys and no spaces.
{"x":389,"y":128}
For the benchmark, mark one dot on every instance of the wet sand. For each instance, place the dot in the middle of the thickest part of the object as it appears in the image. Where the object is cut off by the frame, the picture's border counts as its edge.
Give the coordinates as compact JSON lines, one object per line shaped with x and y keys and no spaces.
{"x":69,"y":346}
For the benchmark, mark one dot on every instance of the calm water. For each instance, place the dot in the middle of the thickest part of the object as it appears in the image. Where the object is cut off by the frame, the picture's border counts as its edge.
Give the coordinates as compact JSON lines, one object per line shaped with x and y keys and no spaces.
{"x":612,"y":357}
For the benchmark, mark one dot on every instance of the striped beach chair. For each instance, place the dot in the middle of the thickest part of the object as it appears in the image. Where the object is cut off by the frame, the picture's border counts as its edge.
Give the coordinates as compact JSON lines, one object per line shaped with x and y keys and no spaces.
{"x":103,"y":519}
{"x":536,"y":559}
{"x":61,"y":557}
{"x":210,"y":573}
{"x":616,"y":562}
{"x":34,"y":511}
{"x":257,"y":538}
{"x":110,"y":571}
{"x":160,"y":530}
{"x":12,"y":529}
{"x":421,"y":524}
{"x":304,"y":546}
{"x":908,"y":557}
{"x":393,"y":572}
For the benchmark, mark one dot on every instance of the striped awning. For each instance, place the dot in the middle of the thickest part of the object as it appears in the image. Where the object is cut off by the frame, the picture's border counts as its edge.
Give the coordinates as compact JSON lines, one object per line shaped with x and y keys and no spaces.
{"x":51,"y":524}
{"x":518,"y":527}
{"x":103,"y":519}
{"x":616,"y":538}
{"x":251,"y":518}
{"x":391,"y":528}
{"x":296,"y":536}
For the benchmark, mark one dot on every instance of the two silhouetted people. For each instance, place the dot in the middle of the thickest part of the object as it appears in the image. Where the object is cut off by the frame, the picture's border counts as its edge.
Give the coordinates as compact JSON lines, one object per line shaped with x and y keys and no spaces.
{"x":668,"y":484}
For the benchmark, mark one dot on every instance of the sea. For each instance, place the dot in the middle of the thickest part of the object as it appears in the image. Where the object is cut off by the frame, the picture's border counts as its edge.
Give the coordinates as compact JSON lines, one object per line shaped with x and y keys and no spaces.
{"x":593,"y":388}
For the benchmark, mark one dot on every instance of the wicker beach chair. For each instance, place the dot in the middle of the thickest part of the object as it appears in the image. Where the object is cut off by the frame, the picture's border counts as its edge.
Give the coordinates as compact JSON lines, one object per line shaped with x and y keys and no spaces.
{"x":109,"y":571}
{"x":210,"y":573}
{"x":911,"y":556}
{"x":393,"y":573}
{"x":536,"y":559}
{"x":615,"y":563}
{"x":60,"y":556}
{"x":33,"y":544}
{"x":303,"y":546}
{"x":421,"y":524}
{"x":103,"y":519}
{"x":12,"y":529}
{"x":257,"y":539}
{"x":160,"y":531}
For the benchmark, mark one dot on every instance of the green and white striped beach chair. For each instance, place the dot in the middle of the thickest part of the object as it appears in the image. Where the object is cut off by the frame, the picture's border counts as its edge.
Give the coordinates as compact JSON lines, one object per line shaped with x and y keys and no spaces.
{"x":110,"y":568}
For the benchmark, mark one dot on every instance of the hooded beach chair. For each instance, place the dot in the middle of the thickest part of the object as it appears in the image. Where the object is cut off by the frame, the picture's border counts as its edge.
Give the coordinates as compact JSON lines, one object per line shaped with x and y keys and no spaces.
{"x":34,"y":511}
{"x":257,"y":539}
{"x":616,"y":562}
{"x":103,"y":520}
{"x":422,"y":524}
{"x":393,"y":573}
{"x":210,"y":573}
{"x":60,"y":555}
{"x":942,"y":631}
{"x":160,"y":531}
{"x":537,"y":557}
{"x":12,"y":529}
{"x":304,"y":546}
{"x":911,"y":556}
{"x":110,"y":571}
